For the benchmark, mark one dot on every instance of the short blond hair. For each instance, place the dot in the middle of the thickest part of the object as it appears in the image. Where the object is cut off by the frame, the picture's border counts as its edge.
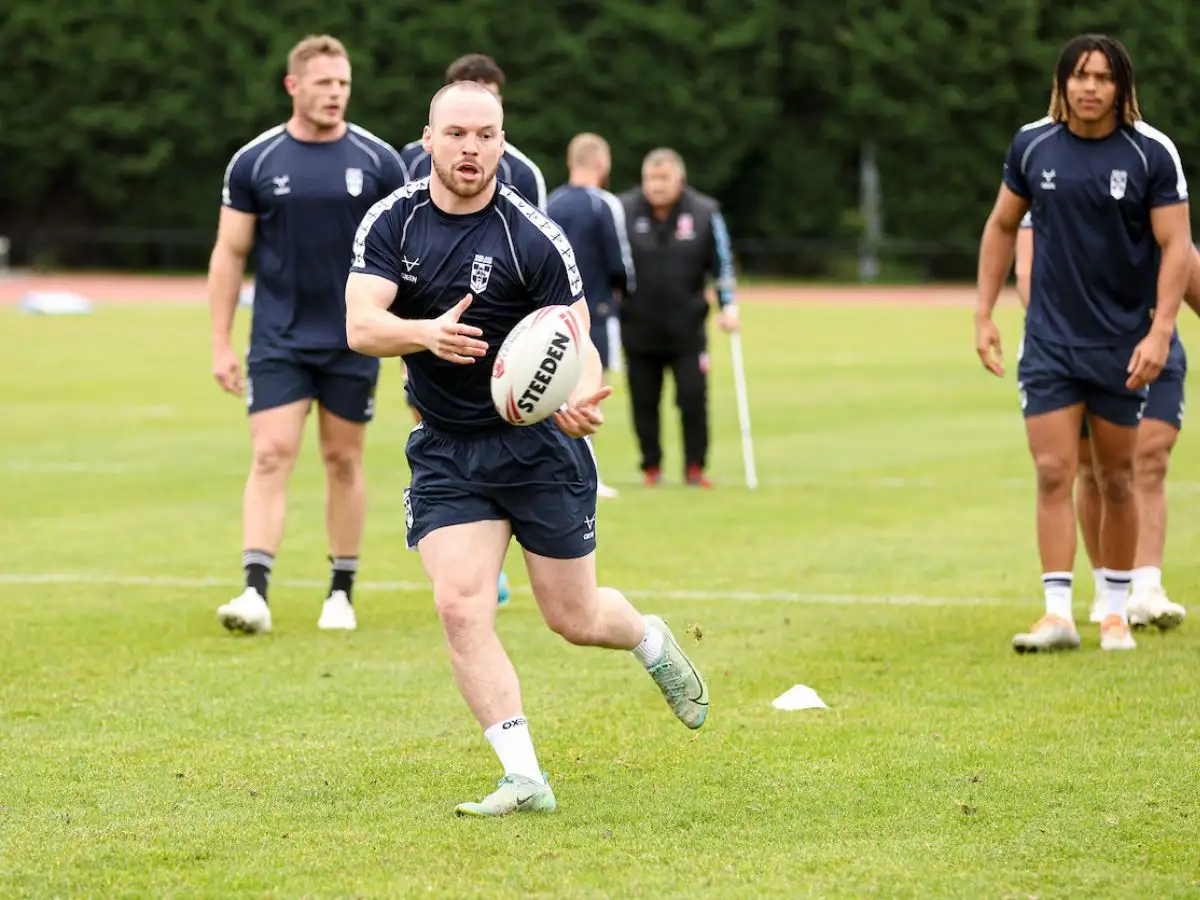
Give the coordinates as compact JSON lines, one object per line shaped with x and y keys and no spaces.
{"x":313,"y":46}
{"x":585,"y":149}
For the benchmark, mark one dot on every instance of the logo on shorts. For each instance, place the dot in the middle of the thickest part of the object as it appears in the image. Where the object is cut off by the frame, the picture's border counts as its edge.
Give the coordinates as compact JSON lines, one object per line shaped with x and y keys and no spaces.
{"x":589,"y":523}
{"x":249,"y":393}
{"x":1117,"y":182}
{"x":408,"y":513}
{"x":354,"y":182}
{"x":481,"y":271}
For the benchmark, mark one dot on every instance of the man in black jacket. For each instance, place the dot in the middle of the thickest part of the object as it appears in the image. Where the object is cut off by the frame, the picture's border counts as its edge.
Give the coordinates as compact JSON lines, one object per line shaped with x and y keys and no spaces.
{"x":678,"y":237}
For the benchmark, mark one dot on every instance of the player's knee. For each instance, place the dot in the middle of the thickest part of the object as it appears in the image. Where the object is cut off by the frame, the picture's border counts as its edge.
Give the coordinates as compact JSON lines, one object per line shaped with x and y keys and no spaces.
{"x":1150,"y":466}
{"x":1055,"y":473}
{"x":575,"y":624}
{"x":1116,"y":483}
{"x":458,"y":605}
{"x":341,"y":463}
{"x":273,"y":457}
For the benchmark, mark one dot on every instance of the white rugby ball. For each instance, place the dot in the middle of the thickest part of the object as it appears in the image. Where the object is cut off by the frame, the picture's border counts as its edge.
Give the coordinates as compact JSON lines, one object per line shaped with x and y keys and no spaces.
{"x":538,"y":366}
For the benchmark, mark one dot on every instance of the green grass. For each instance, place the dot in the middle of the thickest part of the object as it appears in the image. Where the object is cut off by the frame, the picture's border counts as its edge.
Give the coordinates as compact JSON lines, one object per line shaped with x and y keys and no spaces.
{"x":886,"y":560}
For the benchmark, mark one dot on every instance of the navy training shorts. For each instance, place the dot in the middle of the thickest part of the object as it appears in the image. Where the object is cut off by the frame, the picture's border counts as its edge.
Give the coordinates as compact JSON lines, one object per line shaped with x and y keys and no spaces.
{"x":535,"y":477}
{"x":342,"y":381}
{"x":1052,"y":376}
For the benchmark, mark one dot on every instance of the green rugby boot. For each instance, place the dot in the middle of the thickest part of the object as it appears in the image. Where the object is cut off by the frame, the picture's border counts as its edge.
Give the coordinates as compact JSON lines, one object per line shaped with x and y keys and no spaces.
{"x":680,"y":682}
{"x":516,"y":793}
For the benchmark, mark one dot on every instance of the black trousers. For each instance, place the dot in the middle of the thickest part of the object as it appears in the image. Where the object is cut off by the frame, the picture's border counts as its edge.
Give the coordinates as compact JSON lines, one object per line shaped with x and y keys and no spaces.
{"x":645,"y":378}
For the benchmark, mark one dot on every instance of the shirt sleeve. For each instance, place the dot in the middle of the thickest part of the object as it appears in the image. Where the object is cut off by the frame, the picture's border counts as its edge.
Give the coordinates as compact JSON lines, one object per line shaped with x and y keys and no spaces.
{"x":1168,"y":184}
{"x":393,"y":170}
{"x":555,"y":279}
{"x":376,"y":248}
{"x":1014,"y":177}
{"x":722,"y":261}
{"x":237,"y":188}
{"x":527,"y":178}
{"x":618,"y":256}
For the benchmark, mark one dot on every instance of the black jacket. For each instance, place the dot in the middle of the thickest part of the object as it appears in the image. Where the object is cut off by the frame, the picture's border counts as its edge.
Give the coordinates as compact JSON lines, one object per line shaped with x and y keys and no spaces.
{"x":666,"y":311}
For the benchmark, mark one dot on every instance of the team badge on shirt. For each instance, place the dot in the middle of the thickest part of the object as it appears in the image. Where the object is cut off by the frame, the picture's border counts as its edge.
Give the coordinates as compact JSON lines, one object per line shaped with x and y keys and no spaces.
{"x":481,"y":271}
{"x":354,"y":182}
{"x":1117,"y":182}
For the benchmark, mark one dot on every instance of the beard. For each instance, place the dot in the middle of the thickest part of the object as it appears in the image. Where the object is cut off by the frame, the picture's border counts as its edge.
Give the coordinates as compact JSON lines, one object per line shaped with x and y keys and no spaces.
{"x":459,"y":186}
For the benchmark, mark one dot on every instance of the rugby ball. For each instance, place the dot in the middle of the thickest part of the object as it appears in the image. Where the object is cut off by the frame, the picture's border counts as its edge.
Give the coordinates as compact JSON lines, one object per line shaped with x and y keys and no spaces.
{"x":538,"y":366}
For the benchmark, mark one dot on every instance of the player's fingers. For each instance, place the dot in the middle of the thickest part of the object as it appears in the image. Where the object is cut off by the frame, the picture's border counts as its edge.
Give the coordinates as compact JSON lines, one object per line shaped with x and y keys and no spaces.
{"x":467,"y":344}
{"x":468,"y":330}
{"x":459,"y":308}
{"x":597,"y":397}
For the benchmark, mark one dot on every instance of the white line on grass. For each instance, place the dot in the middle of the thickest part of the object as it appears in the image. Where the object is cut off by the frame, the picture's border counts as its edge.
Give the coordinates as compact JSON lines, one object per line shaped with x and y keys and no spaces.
{"x":86,"y":578}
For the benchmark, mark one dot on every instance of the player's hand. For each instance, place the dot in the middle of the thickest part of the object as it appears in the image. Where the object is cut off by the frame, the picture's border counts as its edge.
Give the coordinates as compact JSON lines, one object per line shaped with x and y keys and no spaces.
{"x":227,"y":370}
{"x":727,"y":319}
{"x":582,"y":415}
{"x":447,"y":338}
{"x":1148,"y":360}
{"x":987,"y":339}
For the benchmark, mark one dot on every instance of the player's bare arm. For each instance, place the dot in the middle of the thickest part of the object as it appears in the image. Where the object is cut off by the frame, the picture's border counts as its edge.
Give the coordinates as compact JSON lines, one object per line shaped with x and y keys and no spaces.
{"x":996,"y":250}
{"x":1192,"y":295}
{"x":1173,"y":232}
{"x":226,"y":266}
{"x":373,"y":331}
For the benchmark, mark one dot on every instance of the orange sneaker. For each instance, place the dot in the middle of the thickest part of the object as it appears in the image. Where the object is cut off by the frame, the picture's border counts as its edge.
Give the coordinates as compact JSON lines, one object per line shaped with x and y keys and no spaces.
{"x":1115,"y":634}
{"x":1048,"y":634}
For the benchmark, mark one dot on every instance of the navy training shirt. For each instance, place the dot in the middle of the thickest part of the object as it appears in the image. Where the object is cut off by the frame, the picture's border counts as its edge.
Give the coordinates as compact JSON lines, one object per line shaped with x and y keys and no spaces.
{"x":515,"y":168}
{"x":1095,"y":265}
{"x":509,"y":256}
{"x":309,"y":198}
{"x":594,"y":222}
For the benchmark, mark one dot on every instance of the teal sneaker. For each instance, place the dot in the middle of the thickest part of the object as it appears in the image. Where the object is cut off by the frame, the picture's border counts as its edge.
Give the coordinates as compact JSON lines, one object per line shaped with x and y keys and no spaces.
{"x":516,"y":793}
{"x":504,"y":591}
{"x":680,"y":682}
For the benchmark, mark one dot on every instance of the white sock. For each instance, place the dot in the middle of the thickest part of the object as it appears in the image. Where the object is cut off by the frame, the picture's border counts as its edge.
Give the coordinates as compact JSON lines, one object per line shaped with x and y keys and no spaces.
{"x":650,"y":650}
{"x":1147,"y":577}
{"x":1101,"y":584}
{"x":1117,"y":591}
{"x":512,"y":743}
{"x":1057,"y":586}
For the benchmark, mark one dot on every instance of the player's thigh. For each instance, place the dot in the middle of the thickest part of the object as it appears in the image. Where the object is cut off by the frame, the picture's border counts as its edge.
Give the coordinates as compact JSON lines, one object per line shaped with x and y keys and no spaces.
{"x":345,"y":386}
{"x":564,"y":588}
{"x":1113,"y":448}
{"x":463,"y":561}
{"x":1054,"y":443}
{"x":1047,"y":381}
{"x":278,"y":398}
{"x":342,"y":441}
{"x":1155,"y":441}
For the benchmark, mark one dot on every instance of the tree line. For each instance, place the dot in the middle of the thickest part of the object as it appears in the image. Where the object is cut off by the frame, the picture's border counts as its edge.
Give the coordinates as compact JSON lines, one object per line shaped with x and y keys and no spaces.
{"x":120,"y":116}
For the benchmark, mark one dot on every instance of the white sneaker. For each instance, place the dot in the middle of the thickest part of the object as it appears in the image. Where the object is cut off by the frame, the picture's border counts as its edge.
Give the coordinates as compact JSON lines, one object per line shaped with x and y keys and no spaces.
{"x":603,"y":490}
{"x":337,"y":614}
{"x":1150,"y":606}
{"x":248,"y":613}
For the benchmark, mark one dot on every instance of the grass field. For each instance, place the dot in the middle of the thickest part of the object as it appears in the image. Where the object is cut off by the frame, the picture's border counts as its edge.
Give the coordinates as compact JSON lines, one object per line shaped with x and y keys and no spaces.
{"x":886,"y":560}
